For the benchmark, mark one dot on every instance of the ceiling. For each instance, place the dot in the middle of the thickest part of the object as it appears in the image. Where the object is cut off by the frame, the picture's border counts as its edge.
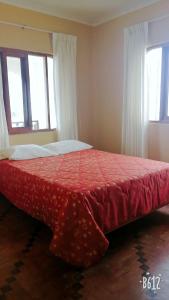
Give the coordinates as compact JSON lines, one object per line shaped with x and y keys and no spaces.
{"x":92,"y":12}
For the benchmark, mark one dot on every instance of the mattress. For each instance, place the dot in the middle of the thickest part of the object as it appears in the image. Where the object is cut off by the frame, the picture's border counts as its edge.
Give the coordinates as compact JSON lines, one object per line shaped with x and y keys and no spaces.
{"x":83,"y":195}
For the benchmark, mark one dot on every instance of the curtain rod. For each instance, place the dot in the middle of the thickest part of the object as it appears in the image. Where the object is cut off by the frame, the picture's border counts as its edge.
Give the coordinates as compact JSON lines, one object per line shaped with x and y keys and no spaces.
{"x":23,"y":26}
{"x":158,"y":18}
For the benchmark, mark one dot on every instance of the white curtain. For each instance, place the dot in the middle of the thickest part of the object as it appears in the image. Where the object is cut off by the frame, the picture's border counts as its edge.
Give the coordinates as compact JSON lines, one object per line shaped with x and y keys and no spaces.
{"x":4,"y":137}
{"x":64,"y":52}
{"x":135,"y":106}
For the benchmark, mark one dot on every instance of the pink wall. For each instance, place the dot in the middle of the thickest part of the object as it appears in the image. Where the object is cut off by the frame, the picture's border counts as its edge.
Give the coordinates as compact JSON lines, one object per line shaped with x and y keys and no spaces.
{"x":100,"y":71}
{"x":107,"y":73}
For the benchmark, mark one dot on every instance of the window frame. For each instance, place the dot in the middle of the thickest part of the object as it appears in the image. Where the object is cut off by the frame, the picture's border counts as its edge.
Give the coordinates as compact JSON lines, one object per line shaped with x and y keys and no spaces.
{"x":163,"y":115}
{"x":23,"y":55}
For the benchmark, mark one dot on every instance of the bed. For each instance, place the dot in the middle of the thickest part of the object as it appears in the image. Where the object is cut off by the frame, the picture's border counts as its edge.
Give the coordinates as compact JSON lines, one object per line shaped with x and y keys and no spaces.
{"x":83,"y":195}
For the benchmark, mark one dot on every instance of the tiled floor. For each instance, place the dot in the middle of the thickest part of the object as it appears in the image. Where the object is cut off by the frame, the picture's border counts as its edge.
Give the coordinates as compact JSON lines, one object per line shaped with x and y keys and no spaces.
{"x":29,"y":272}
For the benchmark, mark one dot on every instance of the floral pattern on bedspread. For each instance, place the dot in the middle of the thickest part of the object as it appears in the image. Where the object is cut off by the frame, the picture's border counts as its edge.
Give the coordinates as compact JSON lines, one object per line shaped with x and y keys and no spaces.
{"x":82,"y":195}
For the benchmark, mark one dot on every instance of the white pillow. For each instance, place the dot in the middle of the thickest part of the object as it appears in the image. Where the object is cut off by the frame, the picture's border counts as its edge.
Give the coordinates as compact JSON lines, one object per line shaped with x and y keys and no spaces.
{"x":30,"y":151}
{"x":67,"y":146}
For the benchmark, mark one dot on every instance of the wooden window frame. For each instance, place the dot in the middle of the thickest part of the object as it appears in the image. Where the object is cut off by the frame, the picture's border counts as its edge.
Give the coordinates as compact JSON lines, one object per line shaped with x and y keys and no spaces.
{"x":23,"y":55}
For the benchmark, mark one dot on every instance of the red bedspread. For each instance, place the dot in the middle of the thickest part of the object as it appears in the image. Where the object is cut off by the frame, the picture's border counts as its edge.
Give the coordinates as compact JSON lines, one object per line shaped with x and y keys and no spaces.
{"x":83,"y":195}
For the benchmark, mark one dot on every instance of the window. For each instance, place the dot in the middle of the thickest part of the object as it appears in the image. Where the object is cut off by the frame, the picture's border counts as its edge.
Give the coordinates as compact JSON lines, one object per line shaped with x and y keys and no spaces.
{"x":28,"y":90}
{"x":158,"y":83}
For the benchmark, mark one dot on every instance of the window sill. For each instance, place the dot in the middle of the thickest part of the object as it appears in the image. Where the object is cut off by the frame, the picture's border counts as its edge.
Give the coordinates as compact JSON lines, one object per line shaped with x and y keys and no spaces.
{"x":28,"y":131}
{"x":160,"y":122}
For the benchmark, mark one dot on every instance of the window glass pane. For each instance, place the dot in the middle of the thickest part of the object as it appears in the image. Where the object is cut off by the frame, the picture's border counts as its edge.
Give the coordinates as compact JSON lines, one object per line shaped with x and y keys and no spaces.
{"x":51,"y":93}
{"x":154,"y":65}
{"x":15,"y":91}
{"x":38,"y":92}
